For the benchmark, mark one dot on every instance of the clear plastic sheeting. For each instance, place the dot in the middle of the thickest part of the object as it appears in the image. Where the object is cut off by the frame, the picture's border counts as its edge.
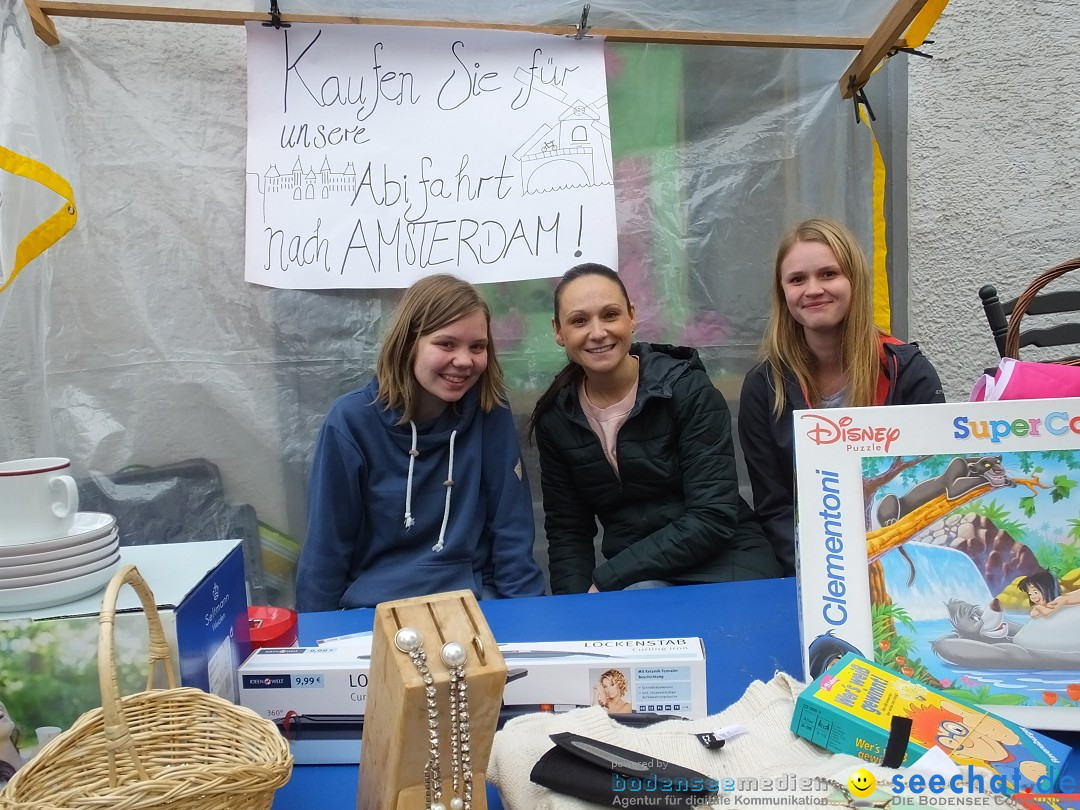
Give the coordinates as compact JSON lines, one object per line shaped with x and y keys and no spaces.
{"x":858,"y":18}
{"x":135,"y":347}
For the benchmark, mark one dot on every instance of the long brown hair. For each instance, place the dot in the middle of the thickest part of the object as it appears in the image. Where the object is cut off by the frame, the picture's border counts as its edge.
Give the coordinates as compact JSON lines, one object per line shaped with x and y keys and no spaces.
{"x":427,"y":306}
{"x":571,"y":373}
{"x":785,"y":344}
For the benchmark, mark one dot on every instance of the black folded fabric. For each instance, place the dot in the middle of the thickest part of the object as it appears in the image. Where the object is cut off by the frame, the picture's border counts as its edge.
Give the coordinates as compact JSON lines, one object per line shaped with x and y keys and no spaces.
{"x":896,"y":747}
{"x":603,"y":773}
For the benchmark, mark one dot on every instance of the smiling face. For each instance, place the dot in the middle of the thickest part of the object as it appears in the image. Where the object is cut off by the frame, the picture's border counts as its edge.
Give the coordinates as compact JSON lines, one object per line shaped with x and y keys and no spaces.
{"x":611,"y":689}
{"x":450,"y":361}
{"x":596,"y":324}
{"x":862,"y":783}
{"x":964,"y":741}
{"x":816,"y":291}
{"x":1035,"y":596}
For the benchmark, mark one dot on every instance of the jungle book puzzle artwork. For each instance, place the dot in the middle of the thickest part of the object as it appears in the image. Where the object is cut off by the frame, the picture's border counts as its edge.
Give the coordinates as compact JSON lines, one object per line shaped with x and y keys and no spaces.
{"x":943,"y":543}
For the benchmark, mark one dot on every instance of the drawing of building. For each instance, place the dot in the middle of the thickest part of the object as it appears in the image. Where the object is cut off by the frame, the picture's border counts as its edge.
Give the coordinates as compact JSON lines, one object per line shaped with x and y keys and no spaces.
{"x":309,"y":185}
{"x":568,"y":154}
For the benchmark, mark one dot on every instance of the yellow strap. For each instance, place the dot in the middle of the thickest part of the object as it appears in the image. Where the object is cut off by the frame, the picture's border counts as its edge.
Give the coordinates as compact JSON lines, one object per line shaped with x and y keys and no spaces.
{"x":52,"y":229}
{"x":882,"y":306}
{"x":923,"y":22}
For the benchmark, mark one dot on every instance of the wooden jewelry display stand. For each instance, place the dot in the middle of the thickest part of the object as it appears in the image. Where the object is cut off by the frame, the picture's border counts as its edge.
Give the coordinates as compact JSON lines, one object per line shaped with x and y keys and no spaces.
{"x":395,"y":748}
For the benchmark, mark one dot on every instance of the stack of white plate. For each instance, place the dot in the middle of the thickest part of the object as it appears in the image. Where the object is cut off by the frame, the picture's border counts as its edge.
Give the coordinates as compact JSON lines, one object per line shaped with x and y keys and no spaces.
{"x":61,"y":569}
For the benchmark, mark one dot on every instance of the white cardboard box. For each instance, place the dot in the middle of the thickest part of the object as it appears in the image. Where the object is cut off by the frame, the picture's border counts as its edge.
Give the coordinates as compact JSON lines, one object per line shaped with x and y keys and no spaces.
{"x":48,"y":656}
{"x":916,"y":525}
{"x":662,"y":675}
{"x":317,"y":695}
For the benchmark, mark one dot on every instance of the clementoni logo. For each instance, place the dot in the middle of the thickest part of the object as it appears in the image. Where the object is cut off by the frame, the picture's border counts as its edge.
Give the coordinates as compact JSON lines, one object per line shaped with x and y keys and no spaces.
{"x":856,"y":438}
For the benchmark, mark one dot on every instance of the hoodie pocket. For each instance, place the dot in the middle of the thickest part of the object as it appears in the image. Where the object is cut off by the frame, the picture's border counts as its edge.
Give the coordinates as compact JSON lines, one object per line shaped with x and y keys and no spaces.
{"x":404,"y":580}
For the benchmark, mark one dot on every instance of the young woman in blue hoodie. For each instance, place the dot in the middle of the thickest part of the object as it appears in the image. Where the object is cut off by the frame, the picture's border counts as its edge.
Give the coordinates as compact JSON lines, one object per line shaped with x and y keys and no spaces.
{"x":417,"y":485}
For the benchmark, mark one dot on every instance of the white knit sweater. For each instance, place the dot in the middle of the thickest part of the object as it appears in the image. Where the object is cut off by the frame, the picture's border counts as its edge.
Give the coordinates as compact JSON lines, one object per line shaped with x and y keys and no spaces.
{"x":789,"y":771}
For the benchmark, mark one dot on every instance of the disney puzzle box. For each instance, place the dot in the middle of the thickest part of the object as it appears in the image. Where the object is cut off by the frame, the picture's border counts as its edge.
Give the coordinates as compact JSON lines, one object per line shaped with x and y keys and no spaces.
{"x":942,"y":542}
{"x":849,"y":710}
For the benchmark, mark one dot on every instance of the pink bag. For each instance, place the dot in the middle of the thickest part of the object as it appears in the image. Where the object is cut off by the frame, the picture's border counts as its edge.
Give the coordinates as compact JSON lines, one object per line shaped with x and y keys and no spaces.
{"x":1021,"y":379}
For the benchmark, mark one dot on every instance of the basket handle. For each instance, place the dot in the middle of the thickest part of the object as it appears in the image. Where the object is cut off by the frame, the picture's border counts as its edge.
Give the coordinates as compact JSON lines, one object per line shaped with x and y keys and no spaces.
{"x":1012,"y":337}
{"x":117,"y":733}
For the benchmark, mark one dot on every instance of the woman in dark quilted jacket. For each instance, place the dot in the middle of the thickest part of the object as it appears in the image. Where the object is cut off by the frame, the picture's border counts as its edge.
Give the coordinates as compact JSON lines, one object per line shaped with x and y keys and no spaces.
{"x":635,"y":435}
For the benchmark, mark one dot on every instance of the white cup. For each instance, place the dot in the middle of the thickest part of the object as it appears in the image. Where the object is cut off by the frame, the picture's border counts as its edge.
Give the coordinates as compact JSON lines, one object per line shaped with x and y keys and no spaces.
{"x":46,"y":734}
{"x":38,"y":500}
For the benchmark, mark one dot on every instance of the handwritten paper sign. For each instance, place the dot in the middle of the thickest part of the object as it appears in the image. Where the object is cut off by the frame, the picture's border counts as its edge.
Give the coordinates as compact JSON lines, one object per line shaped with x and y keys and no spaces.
{"x":378,"y":155}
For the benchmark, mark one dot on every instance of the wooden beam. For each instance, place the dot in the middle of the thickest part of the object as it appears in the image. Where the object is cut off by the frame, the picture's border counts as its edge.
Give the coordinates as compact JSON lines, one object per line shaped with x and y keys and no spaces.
{"x":43,"y":26}
{"x":881,"y":42}
{"x":110,"y":11}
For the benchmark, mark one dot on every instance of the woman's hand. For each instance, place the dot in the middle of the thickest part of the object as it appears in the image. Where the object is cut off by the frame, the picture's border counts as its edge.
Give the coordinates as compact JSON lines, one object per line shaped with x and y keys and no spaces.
{"x":598,"y":696}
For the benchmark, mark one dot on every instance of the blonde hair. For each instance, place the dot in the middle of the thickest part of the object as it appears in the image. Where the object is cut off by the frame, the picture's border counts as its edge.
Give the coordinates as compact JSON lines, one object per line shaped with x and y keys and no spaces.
{"x":785,"y":344}
{"x":617,"y":678}
{"x":427,"y":306}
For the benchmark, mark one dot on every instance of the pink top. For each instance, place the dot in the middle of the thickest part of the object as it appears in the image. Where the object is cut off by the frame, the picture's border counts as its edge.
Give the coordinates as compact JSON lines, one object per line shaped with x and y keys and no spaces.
{"x":606,"y":422}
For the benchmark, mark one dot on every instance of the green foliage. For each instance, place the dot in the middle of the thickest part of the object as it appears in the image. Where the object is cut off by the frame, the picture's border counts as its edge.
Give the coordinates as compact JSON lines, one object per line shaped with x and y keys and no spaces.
{"x":1067,"y":457}
{"x":49,"y":672}
{"x":893,"y":650}
{"x":1027,"y":505}
{"x":874,"y":465}
{"x":1026,"y":461}
{"x":983,"y":696}
{"x":1063,"y":487}
{"x":935,"y":465}
{"x":999,"y":516}
{"x":1057,"y":558}
{"x":880,"y":616}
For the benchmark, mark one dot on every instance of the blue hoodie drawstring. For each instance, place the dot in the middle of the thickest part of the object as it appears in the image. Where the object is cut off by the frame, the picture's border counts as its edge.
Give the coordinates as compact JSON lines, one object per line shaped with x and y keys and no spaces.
{"x":413,"y":453}
{"x":448,"y":483}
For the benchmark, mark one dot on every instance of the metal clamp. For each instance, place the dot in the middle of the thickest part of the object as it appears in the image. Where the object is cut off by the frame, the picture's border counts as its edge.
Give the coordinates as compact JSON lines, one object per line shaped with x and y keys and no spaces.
{"x":275,"y":17}
{"x":583,"y":27}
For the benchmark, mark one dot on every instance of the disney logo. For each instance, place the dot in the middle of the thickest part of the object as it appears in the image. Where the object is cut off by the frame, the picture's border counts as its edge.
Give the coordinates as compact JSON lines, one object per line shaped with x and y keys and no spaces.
{"x":824,"y":430}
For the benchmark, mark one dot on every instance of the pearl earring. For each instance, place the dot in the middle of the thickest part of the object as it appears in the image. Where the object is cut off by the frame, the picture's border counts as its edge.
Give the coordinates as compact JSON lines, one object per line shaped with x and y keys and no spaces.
{"x":454,"y":656}
{"x":408,"y":640}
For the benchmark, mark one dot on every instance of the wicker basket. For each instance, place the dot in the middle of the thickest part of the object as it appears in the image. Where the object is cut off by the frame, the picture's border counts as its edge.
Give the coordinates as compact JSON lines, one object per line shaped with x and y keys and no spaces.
{"x":178,"y":747}
{"x":1012,"y":337}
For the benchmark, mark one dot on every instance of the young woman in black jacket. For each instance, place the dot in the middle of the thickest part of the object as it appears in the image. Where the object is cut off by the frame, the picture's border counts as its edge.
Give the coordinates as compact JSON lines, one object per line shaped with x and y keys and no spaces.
{"x":822,"y":350}
{"x":635,"y":435}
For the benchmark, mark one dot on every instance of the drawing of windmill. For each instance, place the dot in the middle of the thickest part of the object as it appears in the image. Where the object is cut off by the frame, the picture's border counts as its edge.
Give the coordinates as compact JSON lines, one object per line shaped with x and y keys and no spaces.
{"x":572,"y":152}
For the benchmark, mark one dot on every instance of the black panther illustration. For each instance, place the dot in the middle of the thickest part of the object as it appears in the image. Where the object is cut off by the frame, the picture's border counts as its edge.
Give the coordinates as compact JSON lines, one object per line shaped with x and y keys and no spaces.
{"x":961,"y":476}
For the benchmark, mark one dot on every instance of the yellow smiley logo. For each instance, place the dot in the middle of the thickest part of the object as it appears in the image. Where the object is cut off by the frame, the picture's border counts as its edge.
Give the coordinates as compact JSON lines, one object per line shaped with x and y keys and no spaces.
{"x":861,"y":783}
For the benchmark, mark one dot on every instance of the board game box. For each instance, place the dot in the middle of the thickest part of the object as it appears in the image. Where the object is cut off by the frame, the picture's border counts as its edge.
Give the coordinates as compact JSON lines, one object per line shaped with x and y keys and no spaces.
{"x":849,"y":708}
{"x":943,"y":543}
